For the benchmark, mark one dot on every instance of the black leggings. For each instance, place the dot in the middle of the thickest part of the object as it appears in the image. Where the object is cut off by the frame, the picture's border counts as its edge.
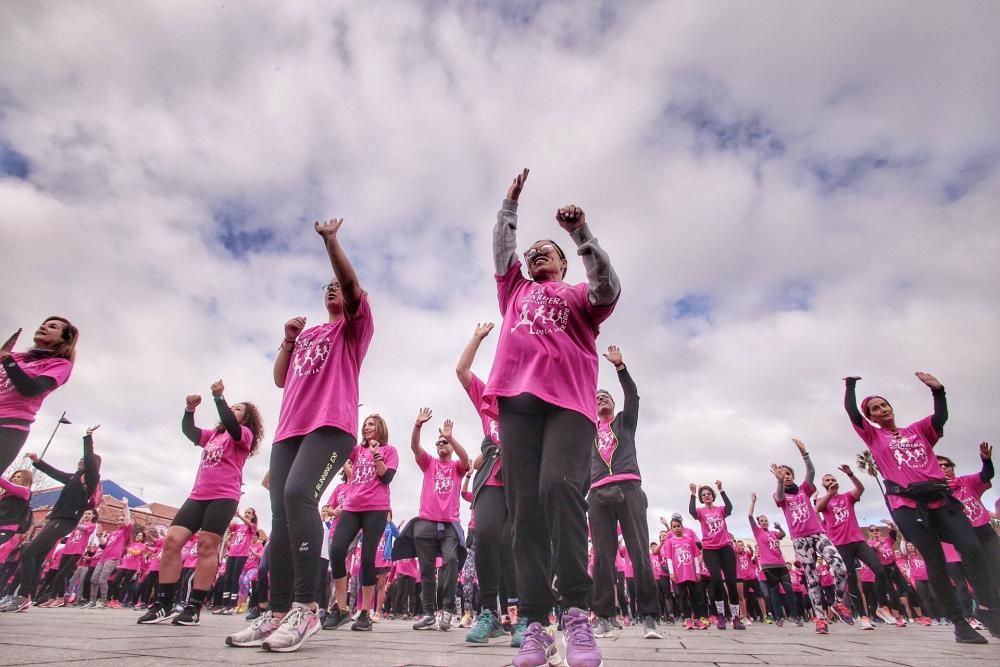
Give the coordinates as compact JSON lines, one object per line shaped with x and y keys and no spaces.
{"x":372,"y":524}
{"x":11,"y":441}
{"x":119,"y":584}
{"x":863,"y":552}
{"x":689,"y":593}
{"x":301,"y":469}
{"x":406,"y":597}
{"x":928,"y":602}
{"x":719,"y":561}
{"x":37,"y":549}
{"x":231,"y":586}
{"x":494,"y":549}
{"x":779,"y":588}
{"x":871,"y":599}
{"x":948,"y":524}
{"x":67,"y":567}
{"x":990,"y":542}
{"x":546,"y":461}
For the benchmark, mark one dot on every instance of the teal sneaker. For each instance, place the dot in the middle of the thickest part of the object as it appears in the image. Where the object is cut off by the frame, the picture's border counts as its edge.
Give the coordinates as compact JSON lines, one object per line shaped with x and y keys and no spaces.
{"x":517,"y":634}
{"x":487,"y":627}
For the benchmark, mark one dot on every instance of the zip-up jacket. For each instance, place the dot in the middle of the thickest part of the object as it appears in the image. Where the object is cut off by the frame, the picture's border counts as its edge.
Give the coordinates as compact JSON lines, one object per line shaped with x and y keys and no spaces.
{"x":621,"y":463}
{"x":79,"y":485}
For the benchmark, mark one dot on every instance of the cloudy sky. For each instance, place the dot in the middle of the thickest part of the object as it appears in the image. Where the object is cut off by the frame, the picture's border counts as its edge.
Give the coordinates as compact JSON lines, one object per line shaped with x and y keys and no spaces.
{"x":790,"y":193}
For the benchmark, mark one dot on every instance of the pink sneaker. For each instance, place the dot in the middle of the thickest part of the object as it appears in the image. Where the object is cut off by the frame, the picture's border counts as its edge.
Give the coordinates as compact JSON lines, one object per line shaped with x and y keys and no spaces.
{"x":296,"y":627}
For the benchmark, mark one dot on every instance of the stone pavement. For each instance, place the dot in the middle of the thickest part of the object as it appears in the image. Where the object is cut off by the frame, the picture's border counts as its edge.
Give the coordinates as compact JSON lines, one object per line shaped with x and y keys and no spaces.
{"x":111,"y":637}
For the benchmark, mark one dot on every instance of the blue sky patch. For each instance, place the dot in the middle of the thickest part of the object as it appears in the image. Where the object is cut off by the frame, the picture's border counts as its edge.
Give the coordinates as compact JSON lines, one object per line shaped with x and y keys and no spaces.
{"x":13,"y":163}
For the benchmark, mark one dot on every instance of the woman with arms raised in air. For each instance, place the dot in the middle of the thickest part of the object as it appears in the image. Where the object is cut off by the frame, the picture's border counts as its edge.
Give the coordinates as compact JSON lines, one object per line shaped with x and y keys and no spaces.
{"x":921,"y":502}
{"x":542,"y":384}
{"x":27,"y":378}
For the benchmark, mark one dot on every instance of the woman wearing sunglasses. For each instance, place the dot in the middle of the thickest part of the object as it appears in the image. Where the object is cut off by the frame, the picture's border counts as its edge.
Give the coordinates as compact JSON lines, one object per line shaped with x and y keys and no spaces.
{"x":542,"y":384}
{"x":921,"y":502}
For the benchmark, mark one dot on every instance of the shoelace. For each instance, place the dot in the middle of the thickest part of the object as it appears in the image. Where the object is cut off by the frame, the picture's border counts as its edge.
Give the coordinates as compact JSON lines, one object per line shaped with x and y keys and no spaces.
{"x":579,"y":630}
{"x":293,"y":617}
{"x":259,"y":621}
{"x":532,"y":639}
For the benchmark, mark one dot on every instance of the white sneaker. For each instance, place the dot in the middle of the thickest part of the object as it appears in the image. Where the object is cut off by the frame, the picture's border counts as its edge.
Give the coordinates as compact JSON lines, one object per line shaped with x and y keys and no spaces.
{"x":254,"y":635}
{"x":296,"y":627}
{"x":445,"y":623}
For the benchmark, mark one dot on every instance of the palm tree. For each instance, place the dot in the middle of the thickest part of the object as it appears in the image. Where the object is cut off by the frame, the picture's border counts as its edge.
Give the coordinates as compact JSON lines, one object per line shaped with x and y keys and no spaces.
{"x":865,"y":461}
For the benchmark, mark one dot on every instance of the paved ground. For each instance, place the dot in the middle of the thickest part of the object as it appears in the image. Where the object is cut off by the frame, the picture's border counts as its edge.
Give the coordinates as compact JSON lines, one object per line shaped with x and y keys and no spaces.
{"x":111,"y":637}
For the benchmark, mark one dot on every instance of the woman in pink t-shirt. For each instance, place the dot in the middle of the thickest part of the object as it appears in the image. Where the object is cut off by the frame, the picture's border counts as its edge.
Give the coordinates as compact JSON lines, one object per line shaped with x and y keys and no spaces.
{"x":969,"y":490}
{"x":720,"y":558}
{"x":494,"y":561}
{"x":366,"y":509}
{"x":772,"y":565}
{"x":210,"y":506}
{"x":808,"y":538}
{"x":240,"y":536}
{"x":543,"y":384}
{"x":921,"y":502}
{"x":27,"y":378}
{"x":317,"y":369}
{"x":15,"y":499}
{"x":681,"y":549}
{"x":919,"y":579}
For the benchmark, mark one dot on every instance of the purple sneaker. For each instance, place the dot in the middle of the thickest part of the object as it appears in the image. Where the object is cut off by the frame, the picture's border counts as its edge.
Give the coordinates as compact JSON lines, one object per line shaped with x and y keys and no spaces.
{"x":578,"y":634}
{"x":538,"y":648}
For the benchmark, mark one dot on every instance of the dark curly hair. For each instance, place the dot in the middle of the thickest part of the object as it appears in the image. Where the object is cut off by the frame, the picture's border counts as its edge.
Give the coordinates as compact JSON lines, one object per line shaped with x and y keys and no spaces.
{"x":253,"y":421}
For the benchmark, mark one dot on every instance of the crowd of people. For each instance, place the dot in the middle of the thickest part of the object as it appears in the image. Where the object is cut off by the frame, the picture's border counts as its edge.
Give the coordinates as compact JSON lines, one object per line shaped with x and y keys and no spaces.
{"x":559,"y":540}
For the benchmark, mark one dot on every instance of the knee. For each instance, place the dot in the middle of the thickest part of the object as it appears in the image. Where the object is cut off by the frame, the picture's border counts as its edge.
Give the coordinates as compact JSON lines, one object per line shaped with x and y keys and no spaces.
{"x":297,"y":500}
{"x":208,"y":548}
{"x":557,"y":491}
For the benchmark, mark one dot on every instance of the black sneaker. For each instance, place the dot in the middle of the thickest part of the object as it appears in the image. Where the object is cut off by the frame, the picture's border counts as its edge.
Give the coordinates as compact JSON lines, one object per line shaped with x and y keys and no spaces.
{"x":335,"y":619}
{"x":363,"y":622}
{"x":255,"y":614}
{"x":964,"y":634}
{"x":188,"y":616}
{"x":155,"y":614}
{"x":615,"y":623}
{"x":425,"y":622}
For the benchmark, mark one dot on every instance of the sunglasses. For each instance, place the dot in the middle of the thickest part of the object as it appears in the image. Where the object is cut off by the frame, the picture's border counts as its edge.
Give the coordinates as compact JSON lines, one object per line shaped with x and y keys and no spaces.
{"x":947,"y":465}
{"x":543,"y":249}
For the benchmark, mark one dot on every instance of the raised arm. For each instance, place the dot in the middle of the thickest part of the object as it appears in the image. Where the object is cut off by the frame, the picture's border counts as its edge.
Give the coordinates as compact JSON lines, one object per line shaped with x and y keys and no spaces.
{"x":691,"y":503}
{"x":226,"y":415}
{"x":91,"y":473}
{"x":601,"y":277}
{"x":54,"y":473}
{"x":779,"y":495}
{"x":851,"y":401}
{"x":986,"y":454}
{"x":190,"y":431}
{"x":446,"y":432}
{"x":727,"y":505}
{"x":940,"y":415}
{"x":422,"y":418}
{"x":810,"y":469}
{"x":779,"y":530}
{"x":859,"y":488}
{"x":630,"y":410}
{"x":464,"y":367}
{"x":505,"y":231}
{"x":753,"y":505}
{"x":342,"y":267}
{"x":293,"y":328}
{"x":23,"y":383}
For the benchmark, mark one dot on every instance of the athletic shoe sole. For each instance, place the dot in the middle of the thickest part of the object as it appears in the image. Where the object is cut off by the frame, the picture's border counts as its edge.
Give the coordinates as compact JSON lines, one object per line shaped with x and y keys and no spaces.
{"x":651,"y":634}
{"x":293,"y":647}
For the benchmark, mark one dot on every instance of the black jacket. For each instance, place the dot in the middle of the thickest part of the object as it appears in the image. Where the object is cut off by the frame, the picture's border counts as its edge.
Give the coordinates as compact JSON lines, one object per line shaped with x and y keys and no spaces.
{"x":76,"y":494}
{"x":623,"y":459}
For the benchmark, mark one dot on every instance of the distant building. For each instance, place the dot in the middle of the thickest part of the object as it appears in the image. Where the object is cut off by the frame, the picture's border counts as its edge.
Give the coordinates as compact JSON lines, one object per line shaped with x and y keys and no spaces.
{"x":145,"y":515}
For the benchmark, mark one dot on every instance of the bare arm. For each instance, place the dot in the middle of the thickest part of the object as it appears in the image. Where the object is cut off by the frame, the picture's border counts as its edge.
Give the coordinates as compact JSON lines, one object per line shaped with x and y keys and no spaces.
{"x":350,"y":288}
{"x":464,"y":367}
{"x":463,"y":455}
{"x":422,"y":418}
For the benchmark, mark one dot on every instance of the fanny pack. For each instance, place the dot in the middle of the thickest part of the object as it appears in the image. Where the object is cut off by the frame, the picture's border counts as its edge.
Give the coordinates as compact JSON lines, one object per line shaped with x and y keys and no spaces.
{"x":922,"y":493}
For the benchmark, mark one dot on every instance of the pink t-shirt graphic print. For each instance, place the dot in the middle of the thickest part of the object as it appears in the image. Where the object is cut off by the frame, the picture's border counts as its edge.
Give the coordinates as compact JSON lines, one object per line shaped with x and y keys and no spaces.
{"x":442,"y":484}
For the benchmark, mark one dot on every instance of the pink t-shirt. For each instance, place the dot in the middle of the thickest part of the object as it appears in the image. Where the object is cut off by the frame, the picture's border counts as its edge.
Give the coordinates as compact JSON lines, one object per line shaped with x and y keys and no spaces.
{"x":840,"y":521}
{"x":918,"y":568}
{"x":905,"y":456}
{"x":629,"y":568}
{"x":468,"y":497}
{"x":77,"y":541}
{"x":8,"y":547}
{"x":155,"y":551}
{"x":491,"y":427}
{"x":654,"y":563}
{"x":407,"y":568}
{"x":825,"y":577}
{"x":116,"y":543}
{"x":337,"y":499}
{"x":242,"y":536}
{"x":380,"y":560}
{"x":548,"y":343}
{"x":866,"y":574}
{"x":768,"y":545}
{"x":368,"y":492}
{"x":951,"y":554}
{"x":133,"y":555}
{"x":744,"y":565}
{"x":885,"y":548}
{"x":714,"y":532}
{"x":189,"y":552}
{"x":799,"y":512}
{"x":969,"y":490}
{"x":220,"y":473}
{"x":15,"y":406}
{"x":321,"y":386}
{"x":682,"y":552}
{"x":440,"y":491}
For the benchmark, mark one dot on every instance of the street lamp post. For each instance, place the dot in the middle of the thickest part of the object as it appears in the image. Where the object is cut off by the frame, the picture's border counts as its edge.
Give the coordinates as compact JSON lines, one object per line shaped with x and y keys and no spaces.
{"x":62,"y":420}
